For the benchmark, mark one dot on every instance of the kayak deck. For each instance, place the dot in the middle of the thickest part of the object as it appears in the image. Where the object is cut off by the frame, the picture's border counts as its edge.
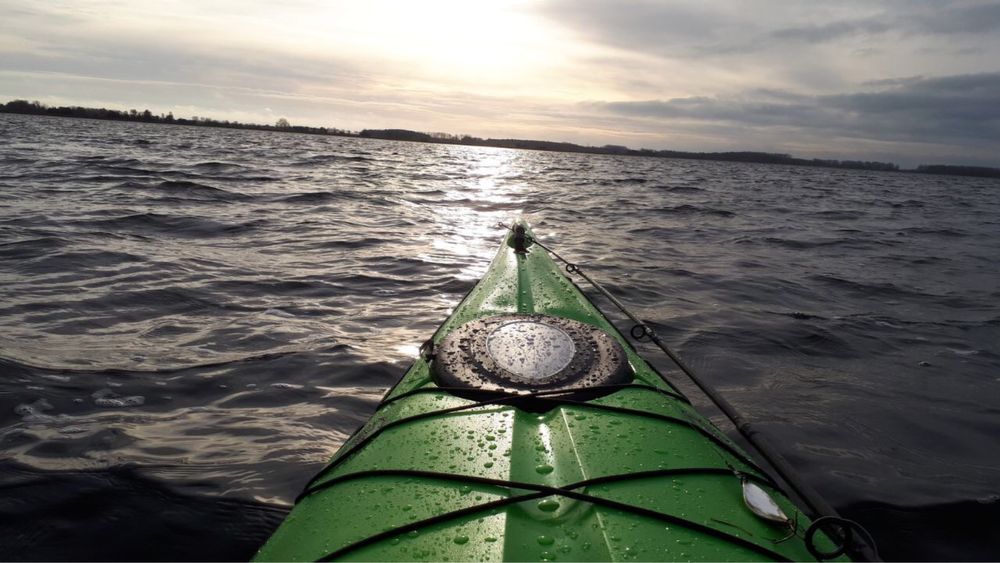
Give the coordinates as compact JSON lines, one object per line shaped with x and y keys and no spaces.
{"x":633,"y":474}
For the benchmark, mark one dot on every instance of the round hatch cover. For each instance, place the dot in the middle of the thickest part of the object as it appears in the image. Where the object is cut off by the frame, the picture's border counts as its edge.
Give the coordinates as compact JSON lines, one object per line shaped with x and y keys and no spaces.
{"x":529,"y":352}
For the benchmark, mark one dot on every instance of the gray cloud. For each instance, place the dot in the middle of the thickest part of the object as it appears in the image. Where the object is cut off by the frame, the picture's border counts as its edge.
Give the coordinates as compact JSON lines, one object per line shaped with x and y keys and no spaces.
{"x":831,"y":31}
{"x":939,"y":18}
{"x":649,"y":26}
{"x":716,"y":28}
{"x":966,"y":17}
{"x":893,"y":82}
{"x":957,"y":109}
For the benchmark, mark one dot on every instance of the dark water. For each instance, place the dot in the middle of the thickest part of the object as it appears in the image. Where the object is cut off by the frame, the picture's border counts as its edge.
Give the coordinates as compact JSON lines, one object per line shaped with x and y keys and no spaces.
{"x":193,"y":320}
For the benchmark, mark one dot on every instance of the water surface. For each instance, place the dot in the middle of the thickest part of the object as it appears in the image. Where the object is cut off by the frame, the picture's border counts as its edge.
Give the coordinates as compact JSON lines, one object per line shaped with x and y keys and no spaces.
{"x":194,"y":319}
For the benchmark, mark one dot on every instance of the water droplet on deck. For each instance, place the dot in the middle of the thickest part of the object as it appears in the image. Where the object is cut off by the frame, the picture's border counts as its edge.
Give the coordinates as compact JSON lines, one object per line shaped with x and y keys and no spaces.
{"x":548,"y":505}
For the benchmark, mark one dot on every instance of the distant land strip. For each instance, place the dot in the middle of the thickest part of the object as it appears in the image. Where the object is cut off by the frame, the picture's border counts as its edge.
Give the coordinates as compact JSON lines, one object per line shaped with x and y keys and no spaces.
{"x":145,"y":116}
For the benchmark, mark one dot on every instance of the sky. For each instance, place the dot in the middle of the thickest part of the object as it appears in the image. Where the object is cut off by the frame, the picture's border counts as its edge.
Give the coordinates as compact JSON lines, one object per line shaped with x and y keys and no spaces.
{"x":912,"y":82}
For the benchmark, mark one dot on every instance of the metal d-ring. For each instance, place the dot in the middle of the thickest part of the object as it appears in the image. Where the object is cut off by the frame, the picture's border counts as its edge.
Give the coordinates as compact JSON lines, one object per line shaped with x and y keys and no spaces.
{"x":843,"y":530}
{"x":639,"y":332}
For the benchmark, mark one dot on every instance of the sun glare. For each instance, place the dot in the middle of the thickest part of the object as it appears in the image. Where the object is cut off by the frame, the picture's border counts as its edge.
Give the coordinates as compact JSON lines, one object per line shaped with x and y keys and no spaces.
{"x":441,"y":40}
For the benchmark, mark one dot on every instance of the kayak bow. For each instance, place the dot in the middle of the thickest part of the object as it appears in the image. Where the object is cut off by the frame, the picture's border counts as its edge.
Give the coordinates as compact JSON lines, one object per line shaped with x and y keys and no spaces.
{"x":530,"y":429}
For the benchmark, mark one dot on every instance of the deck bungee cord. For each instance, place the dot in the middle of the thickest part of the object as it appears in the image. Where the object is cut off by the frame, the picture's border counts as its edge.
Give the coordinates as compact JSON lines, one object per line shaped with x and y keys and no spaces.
{"x":529,"y":428}
{"x":514,"y":398}
{"x":542,"y":491}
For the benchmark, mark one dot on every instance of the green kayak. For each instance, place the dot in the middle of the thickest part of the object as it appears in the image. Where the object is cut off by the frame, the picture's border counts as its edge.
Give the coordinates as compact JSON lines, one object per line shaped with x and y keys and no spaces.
{"x":530,"y":429}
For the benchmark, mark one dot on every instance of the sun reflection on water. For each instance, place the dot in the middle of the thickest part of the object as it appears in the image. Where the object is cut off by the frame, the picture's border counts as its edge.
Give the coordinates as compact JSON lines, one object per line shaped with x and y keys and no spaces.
{"x":485,"y":187}
{"x":489,"y":190}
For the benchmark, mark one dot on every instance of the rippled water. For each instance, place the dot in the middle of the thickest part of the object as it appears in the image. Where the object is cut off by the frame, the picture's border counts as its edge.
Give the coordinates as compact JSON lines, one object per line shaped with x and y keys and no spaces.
{"x":193,"y":319}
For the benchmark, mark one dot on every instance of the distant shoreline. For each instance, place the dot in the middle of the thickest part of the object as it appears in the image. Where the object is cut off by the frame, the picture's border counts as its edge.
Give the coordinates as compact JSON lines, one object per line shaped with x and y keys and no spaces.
{"x":25,"y":107}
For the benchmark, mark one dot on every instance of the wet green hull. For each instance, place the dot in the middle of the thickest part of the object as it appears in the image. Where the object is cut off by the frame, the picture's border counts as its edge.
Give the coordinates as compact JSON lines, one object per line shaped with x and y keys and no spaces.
{"x":375,"y":503}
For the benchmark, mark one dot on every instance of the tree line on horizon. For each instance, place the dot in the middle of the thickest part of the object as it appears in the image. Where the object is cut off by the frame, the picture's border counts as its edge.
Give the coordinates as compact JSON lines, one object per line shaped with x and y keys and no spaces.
{"x":146,"y":116}
{"x":735,"y":156}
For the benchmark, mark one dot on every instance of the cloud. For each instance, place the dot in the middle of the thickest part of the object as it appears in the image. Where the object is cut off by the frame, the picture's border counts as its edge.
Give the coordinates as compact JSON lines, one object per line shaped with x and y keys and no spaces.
{"x":949,"y":109}
{"x":831,"y":31}
{"x":960,"y":108}
{"x":713,"y":27}
{"x":962,"y":18}
{"x":941,"y":18}
{"x":648,"y":26}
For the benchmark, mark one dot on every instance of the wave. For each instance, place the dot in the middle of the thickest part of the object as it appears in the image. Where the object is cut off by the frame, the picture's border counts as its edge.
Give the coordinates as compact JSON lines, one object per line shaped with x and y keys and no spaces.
{"x":199,"y":191}
{"x":839,"y":215}
{"x":687,"y":209}
{"x":679,"y":189}
{"x":947,"y":232}
{"x":803,"y":339}
{"x":172,"y":225}
{"x":347,"y":243}
{"x":21,"y":367}
{"x":330,"y":159}
{"x":810,"y":244}
{"x":217,"y":167}
{"x":317,"y":197}
{"x":31,"y":248}
{"x":868,"y":289}
{"x":628,"y":180}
